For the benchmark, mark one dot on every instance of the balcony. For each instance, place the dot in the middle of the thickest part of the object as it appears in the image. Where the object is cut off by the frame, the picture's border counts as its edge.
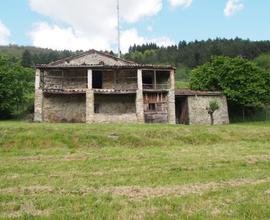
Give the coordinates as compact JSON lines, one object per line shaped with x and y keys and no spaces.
{"x":60,"y":83}
{"x":154,"y":87}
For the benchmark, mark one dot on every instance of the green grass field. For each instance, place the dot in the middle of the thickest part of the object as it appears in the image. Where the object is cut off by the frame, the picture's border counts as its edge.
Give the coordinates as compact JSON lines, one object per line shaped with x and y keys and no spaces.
{"x":78,"y":171}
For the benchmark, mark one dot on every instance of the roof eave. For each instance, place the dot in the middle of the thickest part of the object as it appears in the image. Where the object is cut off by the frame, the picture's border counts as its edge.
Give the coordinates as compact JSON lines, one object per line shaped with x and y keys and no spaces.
{"x":130,"y":66}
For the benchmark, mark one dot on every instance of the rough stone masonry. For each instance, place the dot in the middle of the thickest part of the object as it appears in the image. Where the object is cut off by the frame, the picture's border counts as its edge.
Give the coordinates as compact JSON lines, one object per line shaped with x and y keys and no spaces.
{"x":96,"y":87}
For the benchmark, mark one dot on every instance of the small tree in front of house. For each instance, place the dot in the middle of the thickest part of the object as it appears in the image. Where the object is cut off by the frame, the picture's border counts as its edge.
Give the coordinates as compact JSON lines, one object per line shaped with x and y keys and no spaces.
{"x":213,"y":106}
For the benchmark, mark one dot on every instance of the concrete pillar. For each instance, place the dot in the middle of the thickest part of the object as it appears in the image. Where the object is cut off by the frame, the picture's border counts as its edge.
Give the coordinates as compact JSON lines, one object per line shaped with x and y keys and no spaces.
{"x":89,"y":79}
{"x":90,"y":106}
{"x":171,"y":99}
{"x":139,"y":98}
{"x":38,"y":114}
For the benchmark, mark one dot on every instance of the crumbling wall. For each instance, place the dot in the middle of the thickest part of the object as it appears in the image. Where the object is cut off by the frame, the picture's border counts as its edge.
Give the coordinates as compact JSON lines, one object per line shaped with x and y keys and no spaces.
{"x":199,"y":115}
{"x":115,"y":104}
{"x":120,"y":80}
{"x":96,"y":59}
{"x":71,"y":79}
{"x":115,"y":109}
{"x":64,"y":108}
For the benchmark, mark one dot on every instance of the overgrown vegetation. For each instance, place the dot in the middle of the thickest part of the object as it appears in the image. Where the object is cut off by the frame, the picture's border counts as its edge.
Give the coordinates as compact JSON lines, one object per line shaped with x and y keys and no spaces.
{"x":77,"y":171}
{"x":16,"y":87}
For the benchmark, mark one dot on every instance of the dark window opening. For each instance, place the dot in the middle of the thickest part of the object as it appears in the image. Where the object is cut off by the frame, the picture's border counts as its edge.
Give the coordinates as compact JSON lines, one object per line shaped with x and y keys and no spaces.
{"x":148,"y":80}
{"x":152,"y":107}
{"x":97,"y":80}
{"x":96,"y":108}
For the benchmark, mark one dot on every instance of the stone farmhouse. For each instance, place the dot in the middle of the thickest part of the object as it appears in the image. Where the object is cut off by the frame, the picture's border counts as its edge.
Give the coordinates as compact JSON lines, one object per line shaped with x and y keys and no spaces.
{"x":96,"y":87}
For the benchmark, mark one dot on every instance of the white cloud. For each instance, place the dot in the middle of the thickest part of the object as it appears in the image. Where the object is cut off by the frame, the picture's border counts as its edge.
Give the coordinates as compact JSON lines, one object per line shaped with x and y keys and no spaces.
{"x":180,"y":3}
{"x":134,"y":10}
{"x":4,"y":34}
{"x":131,"y":37}
{"x":90,"y":23}
{"x":232,"y":7}
{"x":52,"y":36}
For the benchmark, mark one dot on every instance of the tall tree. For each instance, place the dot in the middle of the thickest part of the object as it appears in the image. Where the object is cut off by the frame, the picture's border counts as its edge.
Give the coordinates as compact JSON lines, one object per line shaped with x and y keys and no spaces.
{"x":27,"y":59}
{"x":16,"y":87}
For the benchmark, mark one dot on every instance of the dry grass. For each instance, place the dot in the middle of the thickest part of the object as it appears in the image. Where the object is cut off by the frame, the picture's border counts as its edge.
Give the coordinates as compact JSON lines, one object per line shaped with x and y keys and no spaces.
{"x":134,"y":171}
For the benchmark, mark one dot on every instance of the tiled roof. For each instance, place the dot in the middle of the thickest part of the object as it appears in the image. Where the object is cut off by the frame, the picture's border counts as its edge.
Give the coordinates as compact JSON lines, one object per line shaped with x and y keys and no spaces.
{"x":129,"y":66}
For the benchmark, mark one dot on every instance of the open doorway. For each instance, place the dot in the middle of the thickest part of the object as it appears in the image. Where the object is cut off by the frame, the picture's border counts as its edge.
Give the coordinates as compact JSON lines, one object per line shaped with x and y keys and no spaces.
{"x":97,"y":80}
{"x":181,"y":110}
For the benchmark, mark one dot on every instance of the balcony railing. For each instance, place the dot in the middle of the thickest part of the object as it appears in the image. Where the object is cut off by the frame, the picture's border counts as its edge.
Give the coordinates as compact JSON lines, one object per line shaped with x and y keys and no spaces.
{"x":165,"y":86}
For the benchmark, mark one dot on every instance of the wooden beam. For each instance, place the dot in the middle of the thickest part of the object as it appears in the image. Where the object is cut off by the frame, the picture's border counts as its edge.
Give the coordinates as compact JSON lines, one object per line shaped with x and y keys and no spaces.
{"x":62,"y":79}
{"x":155,"y":79}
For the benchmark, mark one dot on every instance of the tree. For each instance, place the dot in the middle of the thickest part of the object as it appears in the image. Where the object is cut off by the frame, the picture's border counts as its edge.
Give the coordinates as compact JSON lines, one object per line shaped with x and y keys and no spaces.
{"x":213,"y":106}
{"x":16,"y":87}
{"x":242,"y":81}
{"x":263,"y":61}
{"x":27,"y":59}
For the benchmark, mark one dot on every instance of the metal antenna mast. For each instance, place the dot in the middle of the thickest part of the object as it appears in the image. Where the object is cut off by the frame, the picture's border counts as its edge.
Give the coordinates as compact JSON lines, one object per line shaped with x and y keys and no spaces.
{"x":118,"y":29}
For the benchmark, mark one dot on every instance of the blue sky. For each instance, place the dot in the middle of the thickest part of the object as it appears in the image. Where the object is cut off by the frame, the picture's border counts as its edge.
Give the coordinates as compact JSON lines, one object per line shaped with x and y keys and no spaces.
{"x":85,"y":24}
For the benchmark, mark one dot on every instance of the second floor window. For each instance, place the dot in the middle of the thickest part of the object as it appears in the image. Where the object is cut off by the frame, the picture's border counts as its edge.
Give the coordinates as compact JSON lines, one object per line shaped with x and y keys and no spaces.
{"x":152,"y":107}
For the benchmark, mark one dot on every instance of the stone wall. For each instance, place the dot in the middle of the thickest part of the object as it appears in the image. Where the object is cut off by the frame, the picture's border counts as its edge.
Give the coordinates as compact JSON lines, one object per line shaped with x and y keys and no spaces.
{"x":171,"y":99}
{"x":64,"y":108}
{"x":89,"y":106}
{"x":199,"y":115}
{"x":115,"y":104}
{"x":123,"y":118}
{"x":38,"y":115}
{"x":115,"y":109}
{"x":96,"y":59}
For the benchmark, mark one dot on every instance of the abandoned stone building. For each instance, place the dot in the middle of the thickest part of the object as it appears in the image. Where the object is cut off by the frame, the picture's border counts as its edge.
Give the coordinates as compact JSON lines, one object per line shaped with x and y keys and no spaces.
{"x":97,"y":87}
